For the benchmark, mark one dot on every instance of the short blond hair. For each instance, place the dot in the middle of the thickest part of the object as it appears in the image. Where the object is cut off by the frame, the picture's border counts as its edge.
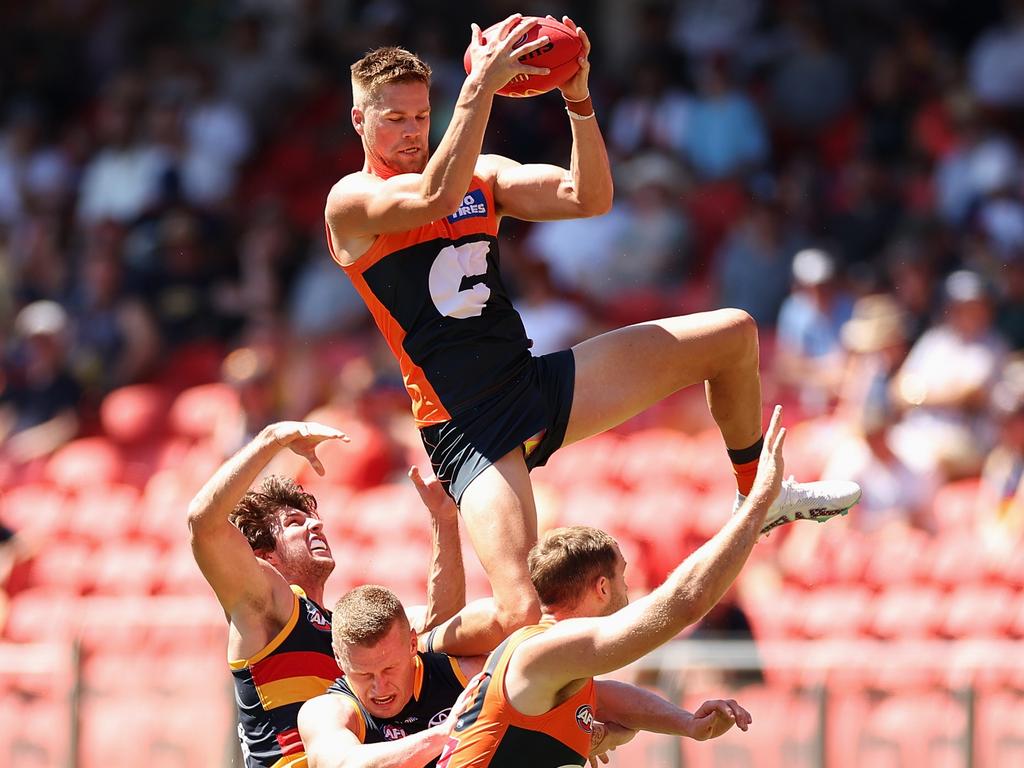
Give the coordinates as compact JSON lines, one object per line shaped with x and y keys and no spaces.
{"x":386,"y":65}
{"x":365,"y":615}
{"x":565,"y":563}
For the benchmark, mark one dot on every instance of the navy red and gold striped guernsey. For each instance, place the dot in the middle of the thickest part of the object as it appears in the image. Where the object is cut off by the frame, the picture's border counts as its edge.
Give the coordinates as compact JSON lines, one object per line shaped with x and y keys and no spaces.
{"x":272,"y":685}
{"x":438,"y":683}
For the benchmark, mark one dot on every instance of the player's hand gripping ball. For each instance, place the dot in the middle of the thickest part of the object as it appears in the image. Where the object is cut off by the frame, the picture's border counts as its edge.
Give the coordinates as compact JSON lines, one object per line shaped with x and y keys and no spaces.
{"x":560,"y":56}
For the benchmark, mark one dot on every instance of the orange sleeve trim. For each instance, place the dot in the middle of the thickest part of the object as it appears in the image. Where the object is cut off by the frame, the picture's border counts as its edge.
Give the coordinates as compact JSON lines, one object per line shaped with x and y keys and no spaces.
{"x":457,"y":669}
{"x":297,"y":760}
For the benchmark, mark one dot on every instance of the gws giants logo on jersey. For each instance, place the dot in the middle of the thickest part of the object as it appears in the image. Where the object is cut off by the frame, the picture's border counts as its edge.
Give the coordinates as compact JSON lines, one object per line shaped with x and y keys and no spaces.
{"x":394,"y":732}
{"x":585,"y":718}
{"x":440,"y":717}
{"x":473,"y":204}
{"x":454,"y":266}
{"x":317,"y":619}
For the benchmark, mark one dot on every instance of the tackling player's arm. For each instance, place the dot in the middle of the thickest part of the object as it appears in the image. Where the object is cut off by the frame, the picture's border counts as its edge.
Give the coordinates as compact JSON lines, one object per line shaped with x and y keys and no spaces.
{"x":642,"y":710}
{"x":362,"y":206}
{"x":246,"y":587}
{"x":329,"y":726}
{"x":446,"y":588}
{"x":540,"y":192}
{"x":580,"y":648}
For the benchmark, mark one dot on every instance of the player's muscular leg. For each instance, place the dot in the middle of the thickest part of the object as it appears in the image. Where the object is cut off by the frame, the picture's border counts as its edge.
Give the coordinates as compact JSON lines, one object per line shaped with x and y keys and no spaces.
{"x":501,"y":519}
{"x":623,"y":372}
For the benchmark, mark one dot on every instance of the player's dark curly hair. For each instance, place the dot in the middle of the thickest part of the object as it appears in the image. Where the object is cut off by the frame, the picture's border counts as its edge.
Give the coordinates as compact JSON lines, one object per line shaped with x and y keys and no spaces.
{"x":256,"y":514}
{"x":388,"y":64}
{"x":566,"y":562}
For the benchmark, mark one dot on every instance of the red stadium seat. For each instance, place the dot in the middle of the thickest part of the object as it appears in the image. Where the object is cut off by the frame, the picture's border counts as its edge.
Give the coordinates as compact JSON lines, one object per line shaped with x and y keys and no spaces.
{"x":896,"y":560}
{"x":134,"y":414}
{"x":1000,"y":735}
{"x":37,"y":613}
{"x":979,"y":611}
{"x":199,"y":410}
{"x":37,"y":509}
{"x":62,"y":566}
{"x":907,"y":612}
{"x":178,"y":574}
{"x":957,"y":560}
{"x":127,"y":569}
{"x":835,"y":612}
{"x":105,"y":514}
{"x":914,"y":730}
{"x":85,"y":462}
{"x":590,"y":463}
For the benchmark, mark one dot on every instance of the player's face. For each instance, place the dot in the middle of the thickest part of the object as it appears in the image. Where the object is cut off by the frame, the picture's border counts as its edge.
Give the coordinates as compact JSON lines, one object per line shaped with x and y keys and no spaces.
{"x":302,"y":548}
{"x":382,"y":676}
{"x":396,"y":126}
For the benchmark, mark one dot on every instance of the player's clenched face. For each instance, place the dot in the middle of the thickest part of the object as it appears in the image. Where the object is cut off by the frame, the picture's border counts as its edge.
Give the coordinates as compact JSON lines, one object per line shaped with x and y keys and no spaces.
{"x":382,"y":675}
{"x":302,"y":549}
{"x":395,"y":125}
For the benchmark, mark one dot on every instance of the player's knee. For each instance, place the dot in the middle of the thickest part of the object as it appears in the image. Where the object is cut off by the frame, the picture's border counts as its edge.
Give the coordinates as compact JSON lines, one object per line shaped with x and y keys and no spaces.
{"x":739,"y":329}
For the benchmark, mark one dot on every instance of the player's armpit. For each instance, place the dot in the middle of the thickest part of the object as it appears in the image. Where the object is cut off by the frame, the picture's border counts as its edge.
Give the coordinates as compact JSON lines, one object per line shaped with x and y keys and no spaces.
{"x":362,"y":206}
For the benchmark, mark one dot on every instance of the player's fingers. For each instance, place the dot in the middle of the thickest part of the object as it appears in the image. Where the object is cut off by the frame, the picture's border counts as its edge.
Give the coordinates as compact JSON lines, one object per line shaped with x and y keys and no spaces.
{"x":314,"y":462}
{"x":585,"y":40}
{"x":569,"y":22}
{"x":515,"y":26}
{"x":476,"y":33}
{"x":605,"y":758}
{"x":533,"y":45}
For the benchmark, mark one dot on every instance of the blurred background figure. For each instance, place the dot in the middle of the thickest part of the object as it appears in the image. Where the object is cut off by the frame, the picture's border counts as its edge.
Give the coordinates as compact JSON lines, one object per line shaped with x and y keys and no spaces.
{"x":809,"y":356}
{"x":39,"y":396}
{"x":1000,"y":504}
{"x":943,"y":385}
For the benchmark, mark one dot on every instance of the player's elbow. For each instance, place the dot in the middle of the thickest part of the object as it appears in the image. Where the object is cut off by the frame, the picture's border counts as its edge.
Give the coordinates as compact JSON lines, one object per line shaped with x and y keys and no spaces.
{"x":596,"y":203}
{"x":441,"y":202}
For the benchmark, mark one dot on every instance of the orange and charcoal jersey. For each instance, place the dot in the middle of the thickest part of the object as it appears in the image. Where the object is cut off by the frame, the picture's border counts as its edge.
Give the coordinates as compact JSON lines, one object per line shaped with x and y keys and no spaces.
{"x":272,"y":685}
{"x":437,"y":296}
{"x":491,"y":733}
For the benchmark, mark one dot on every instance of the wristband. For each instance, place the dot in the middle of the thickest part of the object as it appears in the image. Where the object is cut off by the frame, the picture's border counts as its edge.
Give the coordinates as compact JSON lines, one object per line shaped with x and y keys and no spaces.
{"x":580,"y":109}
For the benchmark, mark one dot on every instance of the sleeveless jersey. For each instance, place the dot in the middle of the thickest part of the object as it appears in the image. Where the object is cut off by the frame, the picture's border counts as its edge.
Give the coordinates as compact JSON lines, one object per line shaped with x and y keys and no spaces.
{"x":491,"y":733}
{"x":272,"y":685}
{"x":439,"y":681}
{"x":437,"y":296}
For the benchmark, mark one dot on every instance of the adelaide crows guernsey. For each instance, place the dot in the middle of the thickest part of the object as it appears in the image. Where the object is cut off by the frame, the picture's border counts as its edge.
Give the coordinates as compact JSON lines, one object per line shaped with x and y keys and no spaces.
{"x":439,"y":681}
{"x":491,"y":733}
{"x":272,"y":685}
{"x":437,"y":296}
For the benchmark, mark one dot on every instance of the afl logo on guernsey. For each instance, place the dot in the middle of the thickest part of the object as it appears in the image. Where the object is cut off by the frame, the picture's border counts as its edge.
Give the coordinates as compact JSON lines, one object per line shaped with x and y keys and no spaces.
{"x":585,"y":718}
{"x":317,"y":619}
{"x":473,"y":204}
{"x":394,"y":732}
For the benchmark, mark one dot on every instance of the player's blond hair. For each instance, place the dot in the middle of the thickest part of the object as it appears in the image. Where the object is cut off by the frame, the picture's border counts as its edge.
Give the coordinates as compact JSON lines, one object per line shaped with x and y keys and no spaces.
{"x":365,"y":615}
{"x":565,"y":563}
{"x":383,"y":66}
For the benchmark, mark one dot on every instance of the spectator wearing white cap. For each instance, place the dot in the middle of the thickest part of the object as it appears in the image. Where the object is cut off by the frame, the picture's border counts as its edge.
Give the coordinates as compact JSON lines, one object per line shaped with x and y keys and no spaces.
{"x":38,"y":396}
{"x":943,"y":386}
{"x":809,"y":355}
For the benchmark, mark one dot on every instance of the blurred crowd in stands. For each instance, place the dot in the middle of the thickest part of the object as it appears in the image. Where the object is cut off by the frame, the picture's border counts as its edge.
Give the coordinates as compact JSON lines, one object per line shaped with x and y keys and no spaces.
{"x":851,"y":173}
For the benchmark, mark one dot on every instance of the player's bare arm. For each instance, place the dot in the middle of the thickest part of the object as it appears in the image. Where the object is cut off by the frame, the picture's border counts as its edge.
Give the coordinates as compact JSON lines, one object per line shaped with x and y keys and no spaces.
{"x":363,"y":205}
{"x":446,"y":584}
{"x":579,"y":648}
{"x":541,"y":192}
{"x":643,"y":710}
{"x":249,"y":590}
{"x":329,"y":724}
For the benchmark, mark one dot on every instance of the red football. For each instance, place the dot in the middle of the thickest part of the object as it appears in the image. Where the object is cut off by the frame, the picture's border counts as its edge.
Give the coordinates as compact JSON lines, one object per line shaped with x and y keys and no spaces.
{"x":559,"y":56}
